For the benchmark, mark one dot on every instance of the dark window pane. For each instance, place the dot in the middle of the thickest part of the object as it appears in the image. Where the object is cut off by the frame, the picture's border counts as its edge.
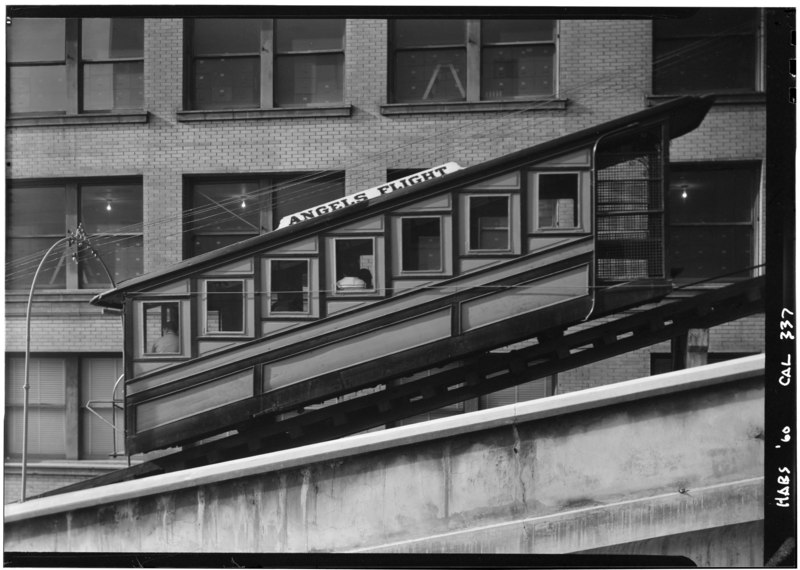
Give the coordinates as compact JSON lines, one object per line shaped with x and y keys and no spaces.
{"x":422,"y":244}
{"x":711,"y":251}
{"x":435,"y":75}
{"x":309,"y":35}
{"x":423,"y":33}
{"x":35,"y":39}
{"x":500,"y":31}
{"x":488,"y":222}
{"x":355,"y":264}
{"x":38,"y":89}
{"x":226,"y":36}
{"x":721,"y":64}
{"x":110,"y":86}
{"x":290,"y":286}
{"x":514,"y":72}
{"x":558,"y":200}
{"x":23,"y":257}
{"x":36,"y":212}
{"x":300,"y":194}
{"x":708,"y":22}
{"x":715,"y":49}
{"x":712,"y":196}
{"x":217,"y":207}
{"x":227,"y":83}
{"x":309,"y":79}
{"x":112,"y":38}
{"x":162,"y":328}
{"x":224,"y":306}
{"x":111,"y":208}
{"x":122,"y":256}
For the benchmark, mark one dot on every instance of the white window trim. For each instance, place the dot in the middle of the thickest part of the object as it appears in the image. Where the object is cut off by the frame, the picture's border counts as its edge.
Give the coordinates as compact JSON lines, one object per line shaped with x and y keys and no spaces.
{"x":509,"y":227}
{"x":442,"y":238}
{"x":204,"y":309}
{"x":579,"y":202}
{"x":309,"y":282}
{"x":146,"y":353}
{"x":369,"y":291}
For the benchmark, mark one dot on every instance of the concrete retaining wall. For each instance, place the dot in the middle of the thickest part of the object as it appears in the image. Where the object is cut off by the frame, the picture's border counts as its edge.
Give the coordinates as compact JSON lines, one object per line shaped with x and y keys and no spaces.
{"x":620,"y":464}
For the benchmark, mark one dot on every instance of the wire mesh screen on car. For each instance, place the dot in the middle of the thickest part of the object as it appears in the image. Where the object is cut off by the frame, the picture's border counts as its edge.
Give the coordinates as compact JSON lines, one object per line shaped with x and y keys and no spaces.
{"x":629,"y":202}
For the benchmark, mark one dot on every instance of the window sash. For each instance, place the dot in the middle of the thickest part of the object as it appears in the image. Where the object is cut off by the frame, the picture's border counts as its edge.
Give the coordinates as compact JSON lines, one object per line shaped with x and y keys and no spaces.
{"x":350,"y":272}
{"x":168,"y":315}
{"x":499,"y":224}
{"x":25,"y":248}
{"x":283,"y":301}
{"x":216,"y":321}
{"x":471,"y":83}
{"x":264,"y":89}
{"x":72,"y":90}
{"x":412,"y":240}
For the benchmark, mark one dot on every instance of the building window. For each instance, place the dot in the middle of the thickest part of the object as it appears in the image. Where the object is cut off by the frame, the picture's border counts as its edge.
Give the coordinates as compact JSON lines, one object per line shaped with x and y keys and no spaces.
{"x":69,"y":394}
{"x":712,"y":219}
{"x":472,"y":60}
{"x":49,"y":73}
{"x":354,"y":265}
{"x":714,"y":50}
{"x":162,"y":330}
{"x":99,"y":413}
{"x":46,"y":406}
{"x":38,"y":215}
{"x":421,"y":243}
{"x":223,"y":307}
{"x":289,"y":287}
{"x":221,"y":212}
{"x":489,"y":224}
{"x":232,"y":59}
{"x":557,"y":197}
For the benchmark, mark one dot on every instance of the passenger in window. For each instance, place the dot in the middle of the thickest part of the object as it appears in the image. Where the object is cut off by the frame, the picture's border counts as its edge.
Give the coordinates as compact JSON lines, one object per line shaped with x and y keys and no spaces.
{"x":351,"y":279}
{"x":169,"y":341}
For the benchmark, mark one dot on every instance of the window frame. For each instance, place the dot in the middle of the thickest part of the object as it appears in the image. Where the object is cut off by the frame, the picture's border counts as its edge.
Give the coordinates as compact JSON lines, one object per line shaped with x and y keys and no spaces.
{"x":402,"y":271}
{"x":312,"y":280}
{"x":753,"y":224}
{"x":204,"y":332}
{"x":473,"y":82}
{"x":267,"y":56}
{"x":469,"y":250}
{"x":334,"y":262}
{"x":579,"y":202}
{"x":142,"y":334}
{"x":74,"y":72}
{"x":72,"y":216}
{"x":75,"y":413}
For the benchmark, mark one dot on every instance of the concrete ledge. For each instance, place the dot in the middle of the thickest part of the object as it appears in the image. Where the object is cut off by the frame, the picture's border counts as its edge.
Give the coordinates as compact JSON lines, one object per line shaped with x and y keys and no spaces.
{"x":674,"y":382}
{"x":605,"y":525}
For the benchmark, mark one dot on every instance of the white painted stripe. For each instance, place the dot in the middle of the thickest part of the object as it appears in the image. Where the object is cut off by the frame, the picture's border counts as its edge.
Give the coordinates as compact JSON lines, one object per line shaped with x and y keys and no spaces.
{"x":672,"y":382}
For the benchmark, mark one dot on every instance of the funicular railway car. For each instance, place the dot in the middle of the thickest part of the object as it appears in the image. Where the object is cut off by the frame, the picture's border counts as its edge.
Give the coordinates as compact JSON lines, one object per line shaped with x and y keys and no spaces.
{"x":402,"y":278}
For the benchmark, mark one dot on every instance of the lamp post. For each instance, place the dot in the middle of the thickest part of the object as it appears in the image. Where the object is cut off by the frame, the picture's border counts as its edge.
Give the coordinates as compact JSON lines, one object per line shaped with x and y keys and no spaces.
{"x":80,"y":238}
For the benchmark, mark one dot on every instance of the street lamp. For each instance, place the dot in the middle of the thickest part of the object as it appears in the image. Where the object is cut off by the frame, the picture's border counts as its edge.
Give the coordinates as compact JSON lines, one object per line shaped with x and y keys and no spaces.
{"x":79,"y":237}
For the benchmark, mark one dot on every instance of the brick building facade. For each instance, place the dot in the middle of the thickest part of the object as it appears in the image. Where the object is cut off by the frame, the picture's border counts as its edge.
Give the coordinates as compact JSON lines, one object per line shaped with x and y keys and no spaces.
{"x":600,"y":69}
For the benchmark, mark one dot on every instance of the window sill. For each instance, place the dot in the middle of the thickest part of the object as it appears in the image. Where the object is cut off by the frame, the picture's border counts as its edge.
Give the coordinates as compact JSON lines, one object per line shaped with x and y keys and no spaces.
{"x":79,"y":120}
{"x":719,"y":98}
{"x":479,"y":107}
{"x":277,"y":113}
